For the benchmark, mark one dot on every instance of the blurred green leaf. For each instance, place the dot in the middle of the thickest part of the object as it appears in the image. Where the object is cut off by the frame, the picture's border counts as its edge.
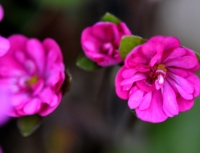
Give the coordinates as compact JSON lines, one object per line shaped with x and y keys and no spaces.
{"x":86,"y":64}
{"x":198,"y":56}
{"x":110,"y":18}
{"x":28,"y":124}
{"x":60,"y":3}
{"x":128,"y":43}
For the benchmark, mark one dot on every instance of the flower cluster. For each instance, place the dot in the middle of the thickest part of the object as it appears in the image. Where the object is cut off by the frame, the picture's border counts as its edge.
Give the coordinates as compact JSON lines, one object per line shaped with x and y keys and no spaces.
{"x":158,"y":75}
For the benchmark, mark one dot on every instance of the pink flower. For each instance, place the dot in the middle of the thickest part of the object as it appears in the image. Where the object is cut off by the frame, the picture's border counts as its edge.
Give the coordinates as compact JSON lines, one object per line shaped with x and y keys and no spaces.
{"x":158,"y":79}
{"x":101,"y":41}
{"x":1,"y":13}
{"x":4,"y":46}
{"x":33,"y":72}
{"x":4,"y":106}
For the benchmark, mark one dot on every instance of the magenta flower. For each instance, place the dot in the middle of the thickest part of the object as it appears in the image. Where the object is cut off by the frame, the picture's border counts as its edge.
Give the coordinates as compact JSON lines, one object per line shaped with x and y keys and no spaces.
{"x":158,"y":79}
{"x":4,"y":46}
{"x":4,"y":106}
{"x":1,"y":13}
{"x":101,"y":41}
{"x":33,"y":72}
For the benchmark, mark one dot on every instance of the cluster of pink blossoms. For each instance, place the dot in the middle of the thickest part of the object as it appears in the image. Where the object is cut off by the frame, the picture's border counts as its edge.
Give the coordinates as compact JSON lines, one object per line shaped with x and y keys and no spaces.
{"x":157,"y":77}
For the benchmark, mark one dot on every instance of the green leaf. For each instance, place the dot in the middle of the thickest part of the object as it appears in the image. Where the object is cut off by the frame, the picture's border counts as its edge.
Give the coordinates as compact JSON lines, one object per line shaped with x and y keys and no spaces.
{"x":86,"y":64}
{"x":110,"y":18}
{"x":28,"y":124}
{"x":198,"y":56}
{"x":128,"y":43}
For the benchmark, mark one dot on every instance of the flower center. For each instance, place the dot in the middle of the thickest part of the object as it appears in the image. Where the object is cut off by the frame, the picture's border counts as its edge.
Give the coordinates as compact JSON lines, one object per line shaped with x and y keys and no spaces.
{"x":33,"y":80}
{"x":157,"y":75}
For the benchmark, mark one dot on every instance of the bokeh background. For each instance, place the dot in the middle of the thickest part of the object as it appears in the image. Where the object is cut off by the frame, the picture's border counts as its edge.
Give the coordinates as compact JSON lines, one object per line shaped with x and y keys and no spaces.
{"x":91,"y":118}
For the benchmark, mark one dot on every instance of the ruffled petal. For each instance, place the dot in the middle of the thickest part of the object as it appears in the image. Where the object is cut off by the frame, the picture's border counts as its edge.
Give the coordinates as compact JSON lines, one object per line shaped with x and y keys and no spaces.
{"x":170,"y":106}
{"x":146,"y":101}
{"x":185,"y":62}
{"x":134,"y":78}
{"x":4,"y":46}
{"x":169,"y":42}
{"x":184,"y":104}
{"x":135,"y":99}
{"x":118,"y":88}
{"x":32,"y":106}
{"x":177,"y":53}
{"x":37,"y":53}
{"x":46,"y":109}
{"x":154,"y":113}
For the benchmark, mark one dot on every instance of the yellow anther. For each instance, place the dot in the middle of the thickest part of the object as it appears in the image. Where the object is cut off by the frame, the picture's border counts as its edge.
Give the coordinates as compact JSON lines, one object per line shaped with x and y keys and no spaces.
{"x":32,"y":80}
{"x":161,"y":67}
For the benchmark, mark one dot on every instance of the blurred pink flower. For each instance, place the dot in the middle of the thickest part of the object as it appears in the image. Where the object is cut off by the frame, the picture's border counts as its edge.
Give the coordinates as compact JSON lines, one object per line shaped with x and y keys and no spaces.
{"x":33,"y":72}
{"x":158,"y":79}
{"x":4,"y":105}
{"x":1,"y":13}
{"x":101,"y":41}
{"x":4,"y":46}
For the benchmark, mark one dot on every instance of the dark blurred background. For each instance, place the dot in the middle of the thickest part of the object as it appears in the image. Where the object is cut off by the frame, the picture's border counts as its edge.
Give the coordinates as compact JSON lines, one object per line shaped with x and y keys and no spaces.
{"x":91,"y":118}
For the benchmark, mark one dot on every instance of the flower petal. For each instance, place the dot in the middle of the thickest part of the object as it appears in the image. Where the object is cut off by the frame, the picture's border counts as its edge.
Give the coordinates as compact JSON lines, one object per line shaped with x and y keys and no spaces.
{"x":46,"y":109}
{"x":170,"y":106}
{"x":118,"y":88}
{"x":184,"y":104}
{"x":177,"y":53}
{"x":146,"y":101}
{"x":185,"y":62}
{"x":32,"y":106}
{"x":134,"y":78}
{"x":4,"y":46}
{"x":1,"y":13}
{"x":37,"y":53}
{"x":135,"y":99}
{"x":154,"y":113}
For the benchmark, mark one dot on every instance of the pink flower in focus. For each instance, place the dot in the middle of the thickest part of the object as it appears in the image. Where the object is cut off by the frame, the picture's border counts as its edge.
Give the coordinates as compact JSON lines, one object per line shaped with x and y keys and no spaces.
{"x":158,"y":79}
{"x":101,"y":41}
{"x":33,"y":72}
{"x":1,"y":13}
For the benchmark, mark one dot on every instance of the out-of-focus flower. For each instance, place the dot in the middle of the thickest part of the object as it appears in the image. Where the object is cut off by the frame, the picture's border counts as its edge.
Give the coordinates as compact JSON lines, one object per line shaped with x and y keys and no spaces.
{"x":1,"y":13}
{"x":4,"y":46}
{"x":4,"y":105}
{"x":101,"y":41}
{"x":158,"y":79}
{"x":33,"y":72}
